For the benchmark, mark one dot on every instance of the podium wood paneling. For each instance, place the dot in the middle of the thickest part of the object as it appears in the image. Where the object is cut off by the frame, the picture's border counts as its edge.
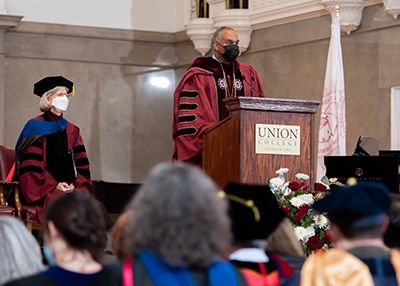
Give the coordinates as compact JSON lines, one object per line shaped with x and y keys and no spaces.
{"x":229,"y":147}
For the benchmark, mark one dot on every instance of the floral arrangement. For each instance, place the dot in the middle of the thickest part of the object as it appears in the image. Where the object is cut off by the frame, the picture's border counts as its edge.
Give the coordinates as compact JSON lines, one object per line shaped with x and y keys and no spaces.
{"x":296,"y":198}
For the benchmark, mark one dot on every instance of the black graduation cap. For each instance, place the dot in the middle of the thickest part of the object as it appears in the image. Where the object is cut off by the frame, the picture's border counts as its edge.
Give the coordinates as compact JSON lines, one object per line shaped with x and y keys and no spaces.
{"x":254,"y":211}
{"x":51,"y":82}
{"x":352,"y":203}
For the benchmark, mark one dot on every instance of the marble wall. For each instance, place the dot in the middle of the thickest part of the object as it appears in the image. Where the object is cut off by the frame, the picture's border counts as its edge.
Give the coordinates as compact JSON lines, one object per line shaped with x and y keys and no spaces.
{"x":292,"y":60}
{"x":125,"y":119}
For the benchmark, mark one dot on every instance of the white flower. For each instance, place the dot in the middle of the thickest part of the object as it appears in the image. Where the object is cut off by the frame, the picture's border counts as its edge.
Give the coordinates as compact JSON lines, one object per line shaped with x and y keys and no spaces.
{"x":277,"y":182}
{"x":282,"y":171}
{"x":306,"y":199}
{"x":320,"y":220}
{"x":297,"y":201}
{"x":310,"y":231}
{"x":303,"y":177}
{"x":300,"y":232}
{"x":304,"y":234}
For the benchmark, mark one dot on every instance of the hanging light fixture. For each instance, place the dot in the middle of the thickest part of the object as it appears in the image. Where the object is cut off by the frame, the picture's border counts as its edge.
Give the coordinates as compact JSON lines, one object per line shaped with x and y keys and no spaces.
{"x":350,"y":13}
{"x":392,"y":7}
{"x":201,"y":29}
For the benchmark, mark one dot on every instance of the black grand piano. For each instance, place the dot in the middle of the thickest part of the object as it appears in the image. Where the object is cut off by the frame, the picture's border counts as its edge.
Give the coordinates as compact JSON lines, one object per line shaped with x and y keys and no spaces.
{"x":367,"y":163}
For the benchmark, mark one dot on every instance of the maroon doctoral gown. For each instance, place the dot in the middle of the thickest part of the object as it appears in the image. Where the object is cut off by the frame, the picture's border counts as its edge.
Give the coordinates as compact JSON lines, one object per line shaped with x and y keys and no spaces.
{"x":198,"y":102}
{"x":38,"y":186}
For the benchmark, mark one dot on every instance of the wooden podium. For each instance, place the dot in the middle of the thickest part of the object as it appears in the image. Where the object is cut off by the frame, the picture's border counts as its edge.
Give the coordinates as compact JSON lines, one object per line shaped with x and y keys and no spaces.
{"x":229,"y":148}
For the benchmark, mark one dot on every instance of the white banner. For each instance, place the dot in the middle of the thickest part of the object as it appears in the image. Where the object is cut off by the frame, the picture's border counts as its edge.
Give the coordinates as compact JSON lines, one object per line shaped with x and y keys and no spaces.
{"x":332,"y":128}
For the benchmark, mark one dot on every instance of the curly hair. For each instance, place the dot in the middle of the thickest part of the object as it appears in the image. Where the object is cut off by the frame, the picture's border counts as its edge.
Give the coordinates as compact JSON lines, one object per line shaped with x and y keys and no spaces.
{"x":178,"y":215}
{"x":77,"y":216}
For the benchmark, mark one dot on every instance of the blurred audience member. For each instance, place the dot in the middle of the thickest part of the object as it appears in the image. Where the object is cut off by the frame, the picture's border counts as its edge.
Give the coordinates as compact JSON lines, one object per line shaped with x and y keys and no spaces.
{"x":19,"y":252}
{"x":74,"y":244}
{"x":392,"y":234}
{"x":178,"y":231}
{"x":335,"y":267}
{"x":117,"y":241}
{"x":255,"y":214}
{"x":283,"y":241}
{"x":358,"y":221}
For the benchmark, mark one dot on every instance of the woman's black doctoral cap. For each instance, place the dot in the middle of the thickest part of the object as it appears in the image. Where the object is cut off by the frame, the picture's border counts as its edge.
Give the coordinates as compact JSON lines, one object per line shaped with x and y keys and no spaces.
{"x":51,"y":82}
{"x":254,"y":211}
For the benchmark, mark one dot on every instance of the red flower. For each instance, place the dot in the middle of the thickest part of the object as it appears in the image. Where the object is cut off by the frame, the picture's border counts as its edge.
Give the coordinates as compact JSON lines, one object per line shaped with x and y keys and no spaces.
{"x":327,"y":238}
{"x":301,"y":213}
{"x":305,"y":189}
{"x":294,"y":186}
{"x":304,"y":209}
{"x":320,"y":187}
{"x":287,"y":211}
{"x":314,"y":242}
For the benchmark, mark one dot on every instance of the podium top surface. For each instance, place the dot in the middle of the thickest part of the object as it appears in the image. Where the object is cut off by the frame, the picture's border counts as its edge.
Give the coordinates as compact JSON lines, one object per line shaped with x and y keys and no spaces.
{"x":272,"y":104}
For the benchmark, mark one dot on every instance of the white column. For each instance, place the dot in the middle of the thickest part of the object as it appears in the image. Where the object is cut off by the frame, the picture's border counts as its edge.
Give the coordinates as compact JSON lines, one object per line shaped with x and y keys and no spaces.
{"x":6,"y":22}
{"x":3,"y":7}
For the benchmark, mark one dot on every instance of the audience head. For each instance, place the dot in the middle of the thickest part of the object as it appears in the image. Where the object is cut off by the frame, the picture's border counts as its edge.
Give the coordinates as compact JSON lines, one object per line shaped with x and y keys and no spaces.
{"x":254,"y":213}
{"x":19,"y":251}
{"x":392,"y":234}
{"x":283,"y":241}
{"x":76,"y":220}
{"x":178,"y":215}
{"x":358,"y":211}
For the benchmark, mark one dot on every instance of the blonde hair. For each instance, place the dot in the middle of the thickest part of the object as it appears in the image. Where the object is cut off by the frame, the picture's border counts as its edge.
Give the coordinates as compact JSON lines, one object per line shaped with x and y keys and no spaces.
{"x":44,"y":104}
{"x":19,"y":251}
{"x":283,"y":240}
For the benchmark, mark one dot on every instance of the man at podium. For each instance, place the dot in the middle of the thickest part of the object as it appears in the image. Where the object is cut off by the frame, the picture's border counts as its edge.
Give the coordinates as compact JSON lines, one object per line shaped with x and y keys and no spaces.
{"x":198,"y":98}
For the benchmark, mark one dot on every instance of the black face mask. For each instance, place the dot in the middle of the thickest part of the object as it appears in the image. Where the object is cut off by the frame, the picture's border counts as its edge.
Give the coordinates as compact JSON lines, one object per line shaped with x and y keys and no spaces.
{"x":231,"y":52}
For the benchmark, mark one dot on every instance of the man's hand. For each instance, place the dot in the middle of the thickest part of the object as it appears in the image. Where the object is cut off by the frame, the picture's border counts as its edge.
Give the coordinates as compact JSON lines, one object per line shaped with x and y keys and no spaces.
{"x":64,"y":187}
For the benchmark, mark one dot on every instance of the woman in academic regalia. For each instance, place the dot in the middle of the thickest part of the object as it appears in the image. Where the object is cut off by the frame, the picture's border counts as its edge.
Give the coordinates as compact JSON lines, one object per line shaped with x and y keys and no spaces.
{"x":51,"y":158}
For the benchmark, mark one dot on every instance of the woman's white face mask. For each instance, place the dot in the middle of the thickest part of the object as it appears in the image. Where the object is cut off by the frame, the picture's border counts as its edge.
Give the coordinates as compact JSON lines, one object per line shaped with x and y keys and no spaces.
{"x":60,"y":103}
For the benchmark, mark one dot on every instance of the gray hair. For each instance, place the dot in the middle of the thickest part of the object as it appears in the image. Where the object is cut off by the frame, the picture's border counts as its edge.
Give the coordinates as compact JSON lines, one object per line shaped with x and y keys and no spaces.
{"x":178,"y":215}
{"x":19,"y":251}
{"x":44,"y":104}
{"x":217,"y":34}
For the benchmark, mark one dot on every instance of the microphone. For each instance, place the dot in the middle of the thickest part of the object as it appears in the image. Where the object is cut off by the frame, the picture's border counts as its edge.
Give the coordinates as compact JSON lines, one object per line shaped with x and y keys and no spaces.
{"x":252,"y":87}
